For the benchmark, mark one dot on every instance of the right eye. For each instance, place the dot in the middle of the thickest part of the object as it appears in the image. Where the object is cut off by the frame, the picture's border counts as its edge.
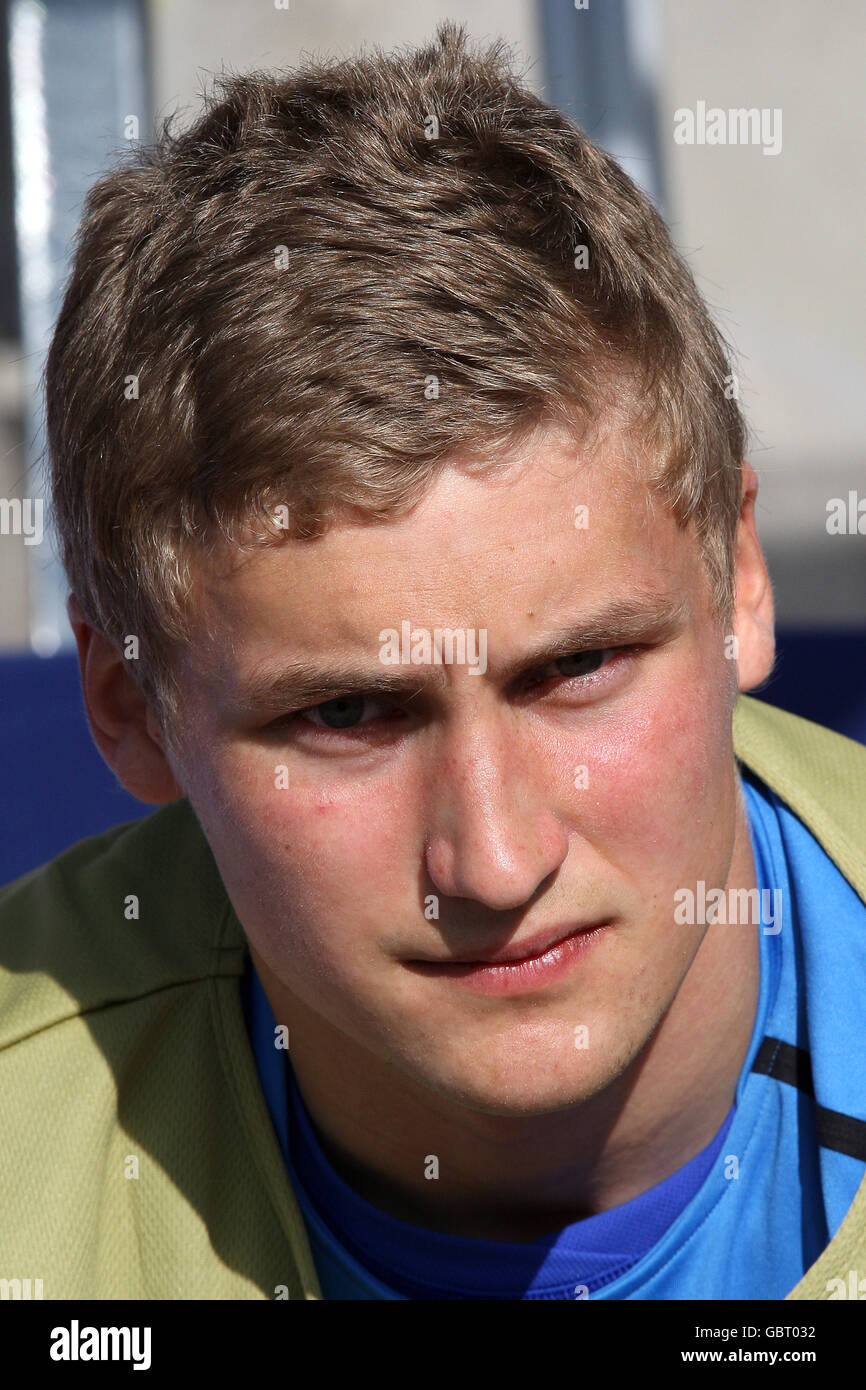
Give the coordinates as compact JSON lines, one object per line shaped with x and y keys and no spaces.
{"x":345,"y":712}
{"x":341,"y":713}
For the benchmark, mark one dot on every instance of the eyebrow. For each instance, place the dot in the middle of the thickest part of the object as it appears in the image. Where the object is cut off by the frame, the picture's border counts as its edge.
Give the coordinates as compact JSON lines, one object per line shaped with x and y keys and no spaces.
{"x":298,"y":685}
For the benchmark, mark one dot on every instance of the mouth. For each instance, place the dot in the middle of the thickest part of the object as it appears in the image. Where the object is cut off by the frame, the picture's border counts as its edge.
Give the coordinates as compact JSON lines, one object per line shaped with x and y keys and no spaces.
{"x":522,"y":965}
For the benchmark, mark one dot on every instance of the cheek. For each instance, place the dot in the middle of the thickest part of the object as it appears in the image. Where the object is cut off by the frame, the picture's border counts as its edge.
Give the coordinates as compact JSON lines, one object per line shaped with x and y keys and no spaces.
{"x":302,"y":854}
{"x":657,"y":778}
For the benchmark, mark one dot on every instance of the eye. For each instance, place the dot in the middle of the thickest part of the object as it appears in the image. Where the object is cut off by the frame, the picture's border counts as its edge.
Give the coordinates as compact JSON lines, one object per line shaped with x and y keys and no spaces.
{"x":342,"y":713}
{"x":581,"y":663}
{"x":574,"y":666}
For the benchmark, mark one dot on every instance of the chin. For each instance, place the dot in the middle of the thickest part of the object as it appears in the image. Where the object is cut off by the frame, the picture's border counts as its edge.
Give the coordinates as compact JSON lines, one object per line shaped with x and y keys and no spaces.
{"x":516,"y":1090}
{"x":529,"y":1102}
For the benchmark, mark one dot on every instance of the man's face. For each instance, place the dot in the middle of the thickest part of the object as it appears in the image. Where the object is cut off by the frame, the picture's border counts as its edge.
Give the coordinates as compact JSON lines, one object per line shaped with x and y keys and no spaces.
{"x":539,"y":795}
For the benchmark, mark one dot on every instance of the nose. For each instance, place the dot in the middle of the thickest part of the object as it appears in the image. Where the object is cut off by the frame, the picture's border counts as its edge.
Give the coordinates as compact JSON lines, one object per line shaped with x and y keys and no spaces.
{"x":493,"y":834}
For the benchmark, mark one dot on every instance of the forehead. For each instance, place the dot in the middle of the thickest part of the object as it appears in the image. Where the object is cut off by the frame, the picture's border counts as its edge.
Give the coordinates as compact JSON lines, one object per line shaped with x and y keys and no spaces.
{"x":552,"y":533}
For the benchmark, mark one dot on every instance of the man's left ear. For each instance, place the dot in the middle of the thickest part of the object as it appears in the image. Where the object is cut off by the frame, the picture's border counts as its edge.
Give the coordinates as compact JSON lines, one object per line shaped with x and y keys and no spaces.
{"x":753,"y":594}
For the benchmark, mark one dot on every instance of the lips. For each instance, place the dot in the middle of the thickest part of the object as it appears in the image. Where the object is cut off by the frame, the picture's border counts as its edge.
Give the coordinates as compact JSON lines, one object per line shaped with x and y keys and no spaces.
{"x":530,"y":948}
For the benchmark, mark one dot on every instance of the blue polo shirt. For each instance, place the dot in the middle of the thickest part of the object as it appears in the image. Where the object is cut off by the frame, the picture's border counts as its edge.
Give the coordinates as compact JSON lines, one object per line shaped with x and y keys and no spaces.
{"x":743,"y":1219}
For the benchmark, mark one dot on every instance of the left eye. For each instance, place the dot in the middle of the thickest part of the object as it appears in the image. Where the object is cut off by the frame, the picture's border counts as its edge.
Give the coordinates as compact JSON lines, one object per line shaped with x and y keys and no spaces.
{"x":575,"y":665}
{"x":582,"y":663}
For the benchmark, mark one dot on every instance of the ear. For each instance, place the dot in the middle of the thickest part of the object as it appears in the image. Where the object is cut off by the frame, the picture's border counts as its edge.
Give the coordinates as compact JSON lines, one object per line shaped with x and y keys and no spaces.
{"x":753,"y":601}
{"x":123,"y":726}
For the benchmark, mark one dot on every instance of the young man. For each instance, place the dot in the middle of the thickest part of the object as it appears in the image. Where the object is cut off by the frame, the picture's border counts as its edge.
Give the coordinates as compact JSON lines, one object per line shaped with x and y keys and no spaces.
{"x":489,"y":944}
